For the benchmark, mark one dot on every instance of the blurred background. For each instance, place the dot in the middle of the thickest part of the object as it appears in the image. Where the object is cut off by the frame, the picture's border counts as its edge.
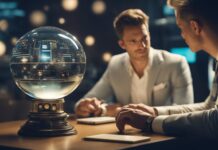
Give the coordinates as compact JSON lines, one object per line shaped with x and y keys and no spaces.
{"x":91,"y":22}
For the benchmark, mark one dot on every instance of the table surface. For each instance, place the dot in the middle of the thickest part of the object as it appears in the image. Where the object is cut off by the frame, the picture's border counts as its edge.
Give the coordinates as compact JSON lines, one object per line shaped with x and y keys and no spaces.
{"x":10,"y":138}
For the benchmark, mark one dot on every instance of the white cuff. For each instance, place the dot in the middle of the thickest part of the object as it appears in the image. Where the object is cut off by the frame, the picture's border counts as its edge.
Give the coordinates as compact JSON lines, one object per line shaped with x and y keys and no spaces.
{"x":104,"y":109}
{"x":157,"y":124}
{"x":163,"y":110}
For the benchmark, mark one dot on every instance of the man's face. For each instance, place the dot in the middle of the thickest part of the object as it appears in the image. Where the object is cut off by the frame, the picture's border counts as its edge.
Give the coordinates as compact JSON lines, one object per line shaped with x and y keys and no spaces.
{"x":136,"y":41}
{"x":188,"y":34}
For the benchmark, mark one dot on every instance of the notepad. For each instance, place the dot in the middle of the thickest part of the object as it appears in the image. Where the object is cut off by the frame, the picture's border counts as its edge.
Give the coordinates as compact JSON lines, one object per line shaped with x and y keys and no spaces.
{"x":118,"y":138}
{"x":96,"y":120}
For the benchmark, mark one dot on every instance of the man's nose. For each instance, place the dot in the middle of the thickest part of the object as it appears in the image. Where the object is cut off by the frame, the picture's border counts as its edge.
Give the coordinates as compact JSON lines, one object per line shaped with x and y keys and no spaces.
{"x":142,"y":44}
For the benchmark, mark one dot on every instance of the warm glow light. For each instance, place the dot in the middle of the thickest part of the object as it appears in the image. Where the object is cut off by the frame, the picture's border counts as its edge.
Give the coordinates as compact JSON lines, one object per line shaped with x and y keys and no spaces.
{"x":90,"y":40}
{"x":106,"y":56}
{"x":14,"y":40}
{"x":38,"y":18}
{"x":2,"y":48}
{"x":61,"y":20}
{"x":99,"y":7}
{"x":24,"y":60}
{"x":3,"y":25}
{"x":69,"y":5}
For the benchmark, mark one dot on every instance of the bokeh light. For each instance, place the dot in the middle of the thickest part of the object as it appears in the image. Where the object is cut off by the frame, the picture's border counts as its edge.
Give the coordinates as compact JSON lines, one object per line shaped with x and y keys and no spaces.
{"x":61,"y":20}
{"x":106,"y":56}
{"x":99,"y":7}
{"x":70,"y":5}
{"x":37,"y":18}
{"x":3,"y":25}
{"x":14,"y":40}
{"x":89,"y":40}
{"x":2,"y":48}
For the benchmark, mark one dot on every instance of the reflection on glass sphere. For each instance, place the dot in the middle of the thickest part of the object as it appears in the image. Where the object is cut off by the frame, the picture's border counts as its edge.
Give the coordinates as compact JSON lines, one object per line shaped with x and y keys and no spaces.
{"x":48,"y":63}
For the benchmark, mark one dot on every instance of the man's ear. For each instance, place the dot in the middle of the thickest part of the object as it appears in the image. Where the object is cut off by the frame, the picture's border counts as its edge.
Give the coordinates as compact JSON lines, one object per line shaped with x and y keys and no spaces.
{"x":196,"y":27}
{"x":121,"y":44}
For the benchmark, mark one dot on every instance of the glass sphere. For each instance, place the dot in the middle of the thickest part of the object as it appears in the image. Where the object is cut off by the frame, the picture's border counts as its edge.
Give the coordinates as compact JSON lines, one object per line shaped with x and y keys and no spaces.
{"x":48,"y":63}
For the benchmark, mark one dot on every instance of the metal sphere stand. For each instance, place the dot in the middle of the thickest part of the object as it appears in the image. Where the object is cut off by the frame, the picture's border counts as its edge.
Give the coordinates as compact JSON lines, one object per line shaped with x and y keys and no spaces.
{"x":47,"y":118}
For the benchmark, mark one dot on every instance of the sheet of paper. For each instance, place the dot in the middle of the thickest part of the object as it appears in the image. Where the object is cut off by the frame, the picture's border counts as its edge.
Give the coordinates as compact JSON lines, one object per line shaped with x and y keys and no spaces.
{"x":96,"y":120}
{"x":118,"y":138}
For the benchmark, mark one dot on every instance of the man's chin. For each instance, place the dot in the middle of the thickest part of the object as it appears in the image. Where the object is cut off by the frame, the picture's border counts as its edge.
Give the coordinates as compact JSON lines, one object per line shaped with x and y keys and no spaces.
{"x":142,"y":56}
{"x":195,"y":50}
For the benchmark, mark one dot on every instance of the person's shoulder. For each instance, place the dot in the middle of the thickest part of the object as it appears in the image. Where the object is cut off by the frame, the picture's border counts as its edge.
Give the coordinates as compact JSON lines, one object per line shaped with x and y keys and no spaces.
{"x":118,"y":58}
{"x":167,"y":54}
{"x":170,"y":57}
{"x":118,"y":62}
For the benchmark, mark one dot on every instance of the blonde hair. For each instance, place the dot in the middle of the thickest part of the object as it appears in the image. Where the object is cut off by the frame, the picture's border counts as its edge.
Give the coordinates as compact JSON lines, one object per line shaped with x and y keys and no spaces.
{"x":203,"y":11}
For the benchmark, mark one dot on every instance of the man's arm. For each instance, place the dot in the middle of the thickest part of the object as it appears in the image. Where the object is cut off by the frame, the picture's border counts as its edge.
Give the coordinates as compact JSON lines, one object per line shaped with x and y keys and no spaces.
{"x":102,"y":89}
{"x":182,"y":88}
{"x":101,"y":94}
{"x":201,"y":123}
{"x":188,"y":115}
{"x":197,"y":124}
{"x":178,"y":109}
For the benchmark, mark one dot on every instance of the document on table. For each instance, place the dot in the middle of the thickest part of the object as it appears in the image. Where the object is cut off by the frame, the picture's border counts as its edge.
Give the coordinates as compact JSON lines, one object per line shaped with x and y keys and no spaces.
{"x":96,"y":120}
{"x":118,"y":138}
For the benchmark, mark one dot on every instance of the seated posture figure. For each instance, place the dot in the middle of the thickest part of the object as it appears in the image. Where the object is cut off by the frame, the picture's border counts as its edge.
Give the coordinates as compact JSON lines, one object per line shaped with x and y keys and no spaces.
{"x":142,"y":74}
{"x":199,"y":27}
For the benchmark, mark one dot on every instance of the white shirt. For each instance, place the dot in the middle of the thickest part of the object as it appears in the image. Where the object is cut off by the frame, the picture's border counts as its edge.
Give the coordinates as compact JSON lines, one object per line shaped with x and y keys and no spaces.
{"x":138,"y":89}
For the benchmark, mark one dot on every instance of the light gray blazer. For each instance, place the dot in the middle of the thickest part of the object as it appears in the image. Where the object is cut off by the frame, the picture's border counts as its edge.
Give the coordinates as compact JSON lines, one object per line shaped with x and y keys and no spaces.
{"x":168,"y":69}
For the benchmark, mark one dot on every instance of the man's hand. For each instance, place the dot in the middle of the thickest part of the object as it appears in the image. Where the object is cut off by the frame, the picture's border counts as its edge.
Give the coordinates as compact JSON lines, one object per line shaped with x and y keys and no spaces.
{"x":144,"y":108}
{"x":135,"y":118}
{"x":89,"y":107}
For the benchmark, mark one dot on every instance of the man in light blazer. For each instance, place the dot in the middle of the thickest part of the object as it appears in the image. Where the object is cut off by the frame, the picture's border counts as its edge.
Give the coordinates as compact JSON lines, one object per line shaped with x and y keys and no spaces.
{"x":140,"y":75}
{"x":199,"y":28}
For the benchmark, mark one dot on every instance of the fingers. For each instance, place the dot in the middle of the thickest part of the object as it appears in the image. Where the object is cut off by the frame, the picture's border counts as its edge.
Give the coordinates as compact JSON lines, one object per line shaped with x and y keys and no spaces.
{"x":81,"y":113}
{"x":95,"y":103}
{"x":117,"y":110}
{"x":142,"y":107}
{"x":123,"y":117}
{"x":134,"y":117}
{"x":82,"y":110}
{"x":97,"y":106}
{"x":89,"y":106}
{"x":133,"y":106}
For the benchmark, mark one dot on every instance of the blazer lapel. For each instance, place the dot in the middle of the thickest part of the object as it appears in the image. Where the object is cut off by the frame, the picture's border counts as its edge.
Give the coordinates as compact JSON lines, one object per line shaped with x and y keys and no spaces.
{"x":126,"y":80}
{"x":127,"y":89}
{"x":153,"y":73}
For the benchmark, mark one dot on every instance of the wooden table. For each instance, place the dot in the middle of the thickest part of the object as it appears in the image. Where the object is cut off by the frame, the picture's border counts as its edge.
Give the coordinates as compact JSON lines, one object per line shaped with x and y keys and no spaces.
{"x":10,"y":139}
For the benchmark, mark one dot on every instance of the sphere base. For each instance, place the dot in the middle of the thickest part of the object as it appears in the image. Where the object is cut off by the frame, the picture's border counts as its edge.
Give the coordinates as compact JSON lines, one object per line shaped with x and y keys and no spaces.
{"x":46,"y":122}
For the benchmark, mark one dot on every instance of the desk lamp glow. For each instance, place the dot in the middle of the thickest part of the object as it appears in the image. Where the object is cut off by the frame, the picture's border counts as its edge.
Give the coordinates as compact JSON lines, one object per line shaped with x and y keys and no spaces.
{"x":47,"y":64}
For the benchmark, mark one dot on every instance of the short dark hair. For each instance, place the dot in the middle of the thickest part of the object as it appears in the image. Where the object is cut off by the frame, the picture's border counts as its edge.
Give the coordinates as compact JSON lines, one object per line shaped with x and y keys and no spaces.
{"x":204,"y":11}
{"x":129,"y":17}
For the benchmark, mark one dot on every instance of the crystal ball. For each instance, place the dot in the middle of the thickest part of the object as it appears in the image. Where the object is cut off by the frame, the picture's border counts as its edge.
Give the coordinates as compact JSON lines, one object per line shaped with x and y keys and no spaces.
{"x":48,"y":63}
